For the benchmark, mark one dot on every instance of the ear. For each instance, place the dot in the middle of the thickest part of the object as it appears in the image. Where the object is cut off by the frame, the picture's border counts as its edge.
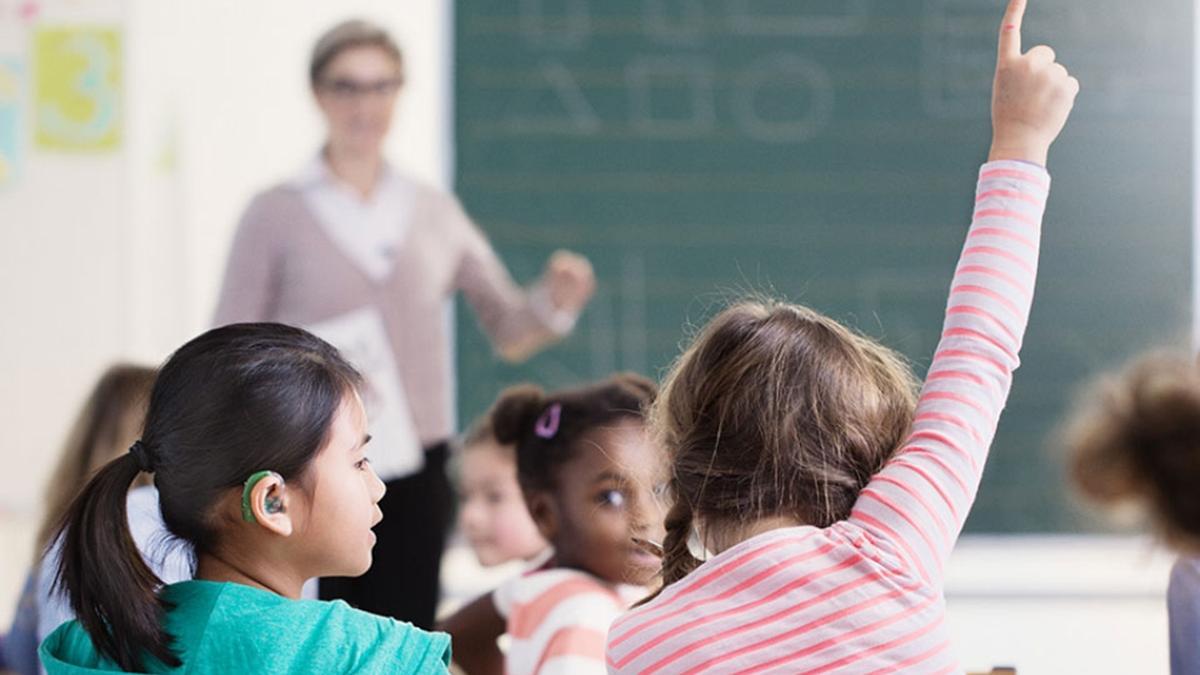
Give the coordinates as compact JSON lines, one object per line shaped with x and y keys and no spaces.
{"x":269,"y":504}
{"x":544,"y":511}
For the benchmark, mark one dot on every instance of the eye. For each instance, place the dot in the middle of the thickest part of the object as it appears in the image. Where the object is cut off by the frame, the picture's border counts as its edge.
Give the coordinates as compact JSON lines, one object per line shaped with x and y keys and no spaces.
{"x":613,"y":498}
{"x":362,"y":464}
{"x":343,"y":87}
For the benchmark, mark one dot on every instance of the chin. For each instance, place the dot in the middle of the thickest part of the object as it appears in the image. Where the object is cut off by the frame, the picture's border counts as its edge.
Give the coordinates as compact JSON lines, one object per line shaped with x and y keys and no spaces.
{"x":362,"y":565}
{"x":488,"y":558}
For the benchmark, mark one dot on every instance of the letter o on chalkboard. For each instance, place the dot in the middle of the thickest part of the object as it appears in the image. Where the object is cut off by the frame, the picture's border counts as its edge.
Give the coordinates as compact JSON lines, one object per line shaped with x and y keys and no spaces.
{"x":781,"y":71}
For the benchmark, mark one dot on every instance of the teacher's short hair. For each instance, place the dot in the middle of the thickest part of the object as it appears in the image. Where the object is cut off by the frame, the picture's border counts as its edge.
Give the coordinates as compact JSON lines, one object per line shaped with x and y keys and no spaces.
{"x":348,"y":35}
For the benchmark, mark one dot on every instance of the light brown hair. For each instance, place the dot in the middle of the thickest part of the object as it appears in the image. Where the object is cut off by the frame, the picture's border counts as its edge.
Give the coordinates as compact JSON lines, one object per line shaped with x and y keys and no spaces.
{"x":109,"y":422}
{"x":348,"y":35}
{"x":775,"y":410}
{"x":1136,"y":437}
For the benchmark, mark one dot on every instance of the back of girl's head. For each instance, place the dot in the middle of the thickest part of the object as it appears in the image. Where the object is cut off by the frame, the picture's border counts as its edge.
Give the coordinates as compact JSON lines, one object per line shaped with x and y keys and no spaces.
{"x":775,"y":410}
{"x":547,"y":428}
{"x":110,"y":420}
{"x":1136,"y":437}
{"x":234,"y":401}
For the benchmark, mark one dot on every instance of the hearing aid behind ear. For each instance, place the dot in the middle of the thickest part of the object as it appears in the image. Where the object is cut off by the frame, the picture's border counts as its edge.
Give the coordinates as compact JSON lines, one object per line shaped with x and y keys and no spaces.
{"x":270,"y":505}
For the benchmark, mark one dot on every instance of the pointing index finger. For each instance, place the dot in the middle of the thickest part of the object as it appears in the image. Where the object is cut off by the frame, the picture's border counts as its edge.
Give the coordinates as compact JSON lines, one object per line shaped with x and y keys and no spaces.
{"x":1010,"y":30}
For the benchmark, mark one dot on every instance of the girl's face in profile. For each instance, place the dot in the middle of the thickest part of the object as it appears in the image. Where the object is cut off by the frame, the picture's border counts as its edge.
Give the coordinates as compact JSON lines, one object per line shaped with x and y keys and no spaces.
{"x":343,"y":496}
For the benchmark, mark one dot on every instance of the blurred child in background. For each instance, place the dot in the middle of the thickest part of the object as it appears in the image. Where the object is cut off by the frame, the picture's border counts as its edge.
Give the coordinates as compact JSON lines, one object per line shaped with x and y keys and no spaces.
{"x":492,"y":513}
{"x":111,"y":419}
{"x":1136,"y":439}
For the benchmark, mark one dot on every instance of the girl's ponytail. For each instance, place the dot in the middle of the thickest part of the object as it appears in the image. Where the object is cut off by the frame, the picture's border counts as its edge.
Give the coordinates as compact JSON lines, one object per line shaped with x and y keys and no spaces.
{"x":111,"y":589}
{"x":677,"y":560}
{"x":513,"y":415}
{"x":546,"y":427}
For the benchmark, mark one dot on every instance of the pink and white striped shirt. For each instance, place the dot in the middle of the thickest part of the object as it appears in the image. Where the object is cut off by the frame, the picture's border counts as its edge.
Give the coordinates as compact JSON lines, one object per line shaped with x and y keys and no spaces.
{"x":557,"y":620}
{"x":865,"y":594}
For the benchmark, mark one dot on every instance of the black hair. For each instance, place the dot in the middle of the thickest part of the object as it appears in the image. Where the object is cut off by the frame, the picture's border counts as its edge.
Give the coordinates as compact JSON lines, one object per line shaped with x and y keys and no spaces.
{"x":231,"y":402}
{"x":563,"y":419}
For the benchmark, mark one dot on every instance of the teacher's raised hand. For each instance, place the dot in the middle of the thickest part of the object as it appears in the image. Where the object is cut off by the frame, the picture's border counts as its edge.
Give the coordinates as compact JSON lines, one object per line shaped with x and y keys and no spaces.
{"x":569,"y":280}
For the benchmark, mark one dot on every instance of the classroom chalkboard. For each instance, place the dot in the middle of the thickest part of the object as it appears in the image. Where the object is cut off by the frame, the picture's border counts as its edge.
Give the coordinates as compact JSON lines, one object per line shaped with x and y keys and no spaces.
{"x":824,"y":151}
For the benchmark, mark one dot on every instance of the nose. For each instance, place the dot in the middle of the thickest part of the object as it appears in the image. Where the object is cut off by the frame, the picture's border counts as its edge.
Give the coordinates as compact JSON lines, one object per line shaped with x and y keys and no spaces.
{"x":378,"y":489}
{"x":468,"y":514}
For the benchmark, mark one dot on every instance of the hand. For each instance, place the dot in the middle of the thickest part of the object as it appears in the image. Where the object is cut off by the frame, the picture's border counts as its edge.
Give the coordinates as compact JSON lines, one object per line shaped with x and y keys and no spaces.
{"x":569,"y":280}
{"x":1031,"y":97}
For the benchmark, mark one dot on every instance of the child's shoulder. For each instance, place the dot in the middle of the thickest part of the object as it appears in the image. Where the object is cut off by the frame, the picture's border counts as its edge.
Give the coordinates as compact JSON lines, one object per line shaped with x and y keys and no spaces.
{"x":533,"y":596}
{"x":560,"y":606}
{"x":320,"y":632}
{"x":69,"y":651}
{"x":559,"y":582}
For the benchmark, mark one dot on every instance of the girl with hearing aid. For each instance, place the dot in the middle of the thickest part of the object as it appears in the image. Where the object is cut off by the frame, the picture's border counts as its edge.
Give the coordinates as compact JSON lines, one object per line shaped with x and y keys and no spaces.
{"x":816,"y":497}
{"x":255,"y":437}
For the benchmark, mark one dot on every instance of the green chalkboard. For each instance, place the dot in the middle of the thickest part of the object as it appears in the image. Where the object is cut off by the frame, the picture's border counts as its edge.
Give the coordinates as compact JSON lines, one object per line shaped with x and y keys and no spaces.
{"x":824,"y":151}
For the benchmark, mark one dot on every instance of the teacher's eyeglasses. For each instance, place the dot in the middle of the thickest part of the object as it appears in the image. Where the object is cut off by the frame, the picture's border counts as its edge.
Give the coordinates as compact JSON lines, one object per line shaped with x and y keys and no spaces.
{"x":347,"y":89}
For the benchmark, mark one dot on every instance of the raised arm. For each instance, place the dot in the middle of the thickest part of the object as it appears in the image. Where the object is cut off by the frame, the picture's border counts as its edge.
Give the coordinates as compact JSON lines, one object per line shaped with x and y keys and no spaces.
{"x":920,"y":500}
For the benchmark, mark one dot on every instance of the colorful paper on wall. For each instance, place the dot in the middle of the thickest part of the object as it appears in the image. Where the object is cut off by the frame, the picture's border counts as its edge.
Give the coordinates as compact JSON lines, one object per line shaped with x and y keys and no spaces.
{"x":10,"y":120}
{"x":77,"y":88}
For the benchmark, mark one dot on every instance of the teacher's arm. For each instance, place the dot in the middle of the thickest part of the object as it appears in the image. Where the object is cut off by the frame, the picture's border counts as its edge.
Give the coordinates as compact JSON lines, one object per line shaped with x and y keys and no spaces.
{"x":520,"y":321}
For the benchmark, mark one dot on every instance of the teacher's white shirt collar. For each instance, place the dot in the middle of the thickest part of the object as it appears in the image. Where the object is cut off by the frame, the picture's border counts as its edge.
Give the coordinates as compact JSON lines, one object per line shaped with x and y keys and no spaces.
{"x":368,"y":230}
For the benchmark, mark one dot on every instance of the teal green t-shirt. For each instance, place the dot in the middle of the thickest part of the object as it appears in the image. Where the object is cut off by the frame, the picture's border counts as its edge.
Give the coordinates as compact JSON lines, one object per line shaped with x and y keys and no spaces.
{"x":231,"y":628}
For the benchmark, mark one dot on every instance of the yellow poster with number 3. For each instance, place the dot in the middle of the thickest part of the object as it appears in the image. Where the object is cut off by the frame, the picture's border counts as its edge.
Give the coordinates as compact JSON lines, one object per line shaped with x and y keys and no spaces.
{"x":77,"y":88}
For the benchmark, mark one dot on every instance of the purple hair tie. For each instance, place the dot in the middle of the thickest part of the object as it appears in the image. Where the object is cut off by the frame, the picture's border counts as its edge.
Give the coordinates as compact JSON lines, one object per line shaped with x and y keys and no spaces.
{"x":547,"y":424}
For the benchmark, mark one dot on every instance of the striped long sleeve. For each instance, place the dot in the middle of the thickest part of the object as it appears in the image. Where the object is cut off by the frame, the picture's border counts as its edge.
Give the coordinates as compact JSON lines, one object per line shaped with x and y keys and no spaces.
{"x":865,"y":594}
{"x":921,"y":498}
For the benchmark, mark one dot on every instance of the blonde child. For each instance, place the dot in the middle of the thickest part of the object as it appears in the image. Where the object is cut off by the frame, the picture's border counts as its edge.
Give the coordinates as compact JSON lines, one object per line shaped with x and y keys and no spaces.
{"x":815,"y":497}
{"x":255,"y":436}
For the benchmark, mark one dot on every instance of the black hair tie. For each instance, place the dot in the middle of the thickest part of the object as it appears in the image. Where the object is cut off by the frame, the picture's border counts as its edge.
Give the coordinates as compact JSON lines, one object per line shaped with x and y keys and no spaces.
{"x":142,"y":454}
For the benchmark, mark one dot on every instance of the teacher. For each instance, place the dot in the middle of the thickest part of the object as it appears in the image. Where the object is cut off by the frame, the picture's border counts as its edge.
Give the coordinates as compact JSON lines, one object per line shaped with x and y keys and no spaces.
{"x":367,"y":257}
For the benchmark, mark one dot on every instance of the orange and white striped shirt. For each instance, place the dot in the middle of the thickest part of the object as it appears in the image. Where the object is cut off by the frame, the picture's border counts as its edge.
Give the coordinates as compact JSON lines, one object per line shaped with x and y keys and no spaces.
{"x":865,"y":594}
{"x":558,"y":619}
